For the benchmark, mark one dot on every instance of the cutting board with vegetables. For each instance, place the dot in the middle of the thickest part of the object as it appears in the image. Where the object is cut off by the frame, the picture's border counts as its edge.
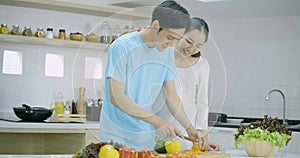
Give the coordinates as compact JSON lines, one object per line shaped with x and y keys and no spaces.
{"x":213,"y":155}
{"x":206,"y":155}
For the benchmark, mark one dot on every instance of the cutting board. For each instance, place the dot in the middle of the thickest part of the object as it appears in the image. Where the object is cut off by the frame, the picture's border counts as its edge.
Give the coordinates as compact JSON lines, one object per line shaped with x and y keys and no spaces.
{"x":207,"y":155}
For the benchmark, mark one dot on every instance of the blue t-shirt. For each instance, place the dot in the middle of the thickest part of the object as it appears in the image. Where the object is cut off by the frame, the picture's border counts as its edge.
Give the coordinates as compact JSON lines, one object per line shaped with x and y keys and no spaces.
{"x":143,"y":70}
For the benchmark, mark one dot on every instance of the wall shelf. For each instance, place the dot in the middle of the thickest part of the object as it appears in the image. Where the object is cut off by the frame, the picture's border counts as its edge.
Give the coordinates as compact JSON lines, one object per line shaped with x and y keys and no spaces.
{"x":52,"y":42}
{"x":76,"y":8}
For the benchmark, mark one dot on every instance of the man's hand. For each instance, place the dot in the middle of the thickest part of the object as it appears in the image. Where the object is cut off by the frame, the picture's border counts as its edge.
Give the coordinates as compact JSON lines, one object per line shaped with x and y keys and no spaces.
{"x":167,"y":129}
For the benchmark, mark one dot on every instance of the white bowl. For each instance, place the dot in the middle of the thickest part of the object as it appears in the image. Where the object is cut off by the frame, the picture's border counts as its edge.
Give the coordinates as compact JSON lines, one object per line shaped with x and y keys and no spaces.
{"x":259,"y":148}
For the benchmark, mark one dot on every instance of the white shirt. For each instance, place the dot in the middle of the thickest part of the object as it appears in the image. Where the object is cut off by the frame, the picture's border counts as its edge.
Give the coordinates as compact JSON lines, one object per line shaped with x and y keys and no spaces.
{"x":192,"y":87}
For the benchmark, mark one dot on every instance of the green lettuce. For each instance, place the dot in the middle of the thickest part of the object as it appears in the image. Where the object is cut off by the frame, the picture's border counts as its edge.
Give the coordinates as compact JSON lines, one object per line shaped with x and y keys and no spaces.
{"x":257,"y":134}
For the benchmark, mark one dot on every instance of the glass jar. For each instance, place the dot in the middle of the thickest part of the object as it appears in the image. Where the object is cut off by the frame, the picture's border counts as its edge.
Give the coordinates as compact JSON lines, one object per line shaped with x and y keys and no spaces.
{"x":62,"y":34}
{"x":59,"y":104}
{"x":39,"y":32}
{"x":49,"y":33}
{"x":105,"y":35}
{"x":116,"y":32}
{"x":15,"y":30}
{"x":27,"y":31}
{"x":3,"y":29}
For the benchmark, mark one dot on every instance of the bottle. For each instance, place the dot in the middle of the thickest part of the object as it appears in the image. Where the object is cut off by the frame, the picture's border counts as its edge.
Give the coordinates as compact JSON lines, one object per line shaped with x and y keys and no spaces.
{"x":39,"y":32}
{"x":116,"y":32}
{"x":105,"y":35}
{"x":3,"y":29}
{"x":15,"y":30}
{"x":27,"y":31}
{"x":81,"y":102}
{"x":62,"y":34}
{"x":68,"y":107}
{"x":49,"y":33}
{"x":74,"y":108}
{"x":59,"y":104}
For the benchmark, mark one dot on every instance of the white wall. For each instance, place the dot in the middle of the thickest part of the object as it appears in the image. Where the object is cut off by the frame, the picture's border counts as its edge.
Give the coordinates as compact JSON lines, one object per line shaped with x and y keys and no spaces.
{"x":259,"y":54}
{"x":33,"y":87}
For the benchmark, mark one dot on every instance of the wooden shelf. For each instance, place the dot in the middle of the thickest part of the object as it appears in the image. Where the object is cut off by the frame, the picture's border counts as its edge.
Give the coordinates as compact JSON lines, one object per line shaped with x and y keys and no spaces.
{"x":52,"y":42}
{"x":76,"y":8}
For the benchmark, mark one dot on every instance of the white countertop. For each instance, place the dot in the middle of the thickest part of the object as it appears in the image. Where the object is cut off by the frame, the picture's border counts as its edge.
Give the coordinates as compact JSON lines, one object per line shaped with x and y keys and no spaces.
{"x":41,"y":125}
{"x":235,"y":153}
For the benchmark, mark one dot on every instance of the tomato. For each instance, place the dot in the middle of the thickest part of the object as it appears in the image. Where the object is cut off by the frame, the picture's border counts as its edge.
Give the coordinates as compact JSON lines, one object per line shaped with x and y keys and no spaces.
{"x":127,"y":153}
{"x":145,"y":153}
{"x":170,"y":156}
{"x":153,"y":156}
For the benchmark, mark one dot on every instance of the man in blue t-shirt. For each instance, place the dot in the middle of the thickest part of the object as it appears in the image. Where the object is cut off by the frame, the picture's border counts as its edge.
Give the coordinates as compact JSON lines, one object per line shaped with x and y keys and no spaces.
{"x":139,"y":65}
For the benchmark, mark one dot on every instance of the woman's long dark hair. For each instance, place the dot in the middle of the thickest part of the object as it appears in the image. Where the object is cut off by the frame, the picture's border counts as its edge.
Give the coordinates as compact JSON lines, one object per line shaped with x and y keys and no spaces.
{"x":201,"y":25}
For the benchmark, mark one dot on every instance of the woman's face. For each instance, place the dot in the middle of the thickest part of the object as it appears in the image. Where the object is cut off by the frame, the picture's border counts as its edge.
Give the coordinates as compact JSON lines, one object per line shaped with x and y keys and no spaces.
{"x":191,"y":42}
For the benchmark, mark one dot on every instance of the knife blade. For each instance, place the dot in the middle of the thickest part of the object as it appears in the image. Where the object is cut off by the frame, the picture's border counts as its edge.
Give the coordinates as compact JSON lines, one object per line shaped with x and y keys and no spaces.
{"x":189,"y":139}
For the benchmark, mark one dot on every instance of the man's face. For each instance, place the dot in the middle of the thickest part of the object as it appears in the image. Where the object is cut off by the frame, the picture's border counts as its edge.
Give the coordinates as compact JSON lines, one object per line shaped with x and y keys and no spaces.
{"x":167,"y":37}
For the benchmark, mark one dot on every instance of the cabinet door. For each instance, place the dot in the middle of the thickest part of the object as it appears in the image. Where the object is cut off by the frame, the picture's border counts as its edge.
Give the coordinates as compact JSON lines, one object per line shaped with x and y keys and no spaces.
{"x":222,"y":136}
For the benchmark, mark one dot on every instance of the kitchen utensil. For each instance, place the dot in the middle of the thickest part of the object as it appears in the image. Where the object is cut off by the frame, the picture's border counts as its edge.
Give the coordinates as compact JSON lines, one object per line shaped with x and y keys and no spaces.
{"x":259,"y":148}
{"x":33,"y":114}
{"x":81,"y":102}
{"x":189,"y":139}
{"x":92,"y":37}
{"x":217,"y":117}
{"x":76,"y":36}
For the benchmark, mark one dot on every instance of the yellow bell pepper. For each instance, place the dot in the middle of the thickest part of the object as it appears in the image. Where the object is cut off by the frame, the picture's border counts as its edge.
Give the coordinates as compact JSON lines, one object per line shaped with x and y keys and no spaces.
{"x":172,"y":146}
{"x":108,"y":151}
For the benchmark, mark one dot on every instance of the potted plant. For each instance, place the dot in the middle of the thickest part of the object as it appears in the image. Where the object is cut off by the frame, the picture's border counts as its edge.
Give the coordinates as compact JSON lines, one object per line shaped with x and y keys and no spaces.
{"x":263,"y":138}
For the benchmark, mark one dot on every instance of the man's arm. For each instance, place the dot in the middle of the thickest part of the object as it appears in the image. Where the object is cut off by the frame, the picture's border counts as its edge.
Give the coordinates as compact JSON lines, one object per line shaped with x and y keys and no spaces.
{"x":122,"y":101}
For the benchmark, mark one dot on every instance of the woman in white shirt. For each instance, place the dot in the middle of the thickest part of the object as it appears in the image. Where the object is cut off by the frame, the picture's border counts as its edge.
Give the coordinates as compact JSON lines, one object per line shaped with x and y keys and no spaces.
{"x":192,"y":81}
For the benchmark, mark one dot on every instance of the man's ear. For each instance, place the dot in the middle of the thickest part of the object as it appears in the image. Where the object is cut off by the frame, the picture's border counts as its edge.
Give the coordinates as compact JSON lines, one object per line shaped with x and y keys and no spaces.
{"x":155,"y":25}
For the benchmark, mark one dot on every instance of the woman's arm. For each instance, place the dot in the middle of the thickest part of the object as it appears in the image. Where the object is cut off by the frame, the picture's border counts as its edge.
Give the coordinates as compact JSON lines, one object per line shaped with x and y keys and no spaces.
{"x":176,"y":108}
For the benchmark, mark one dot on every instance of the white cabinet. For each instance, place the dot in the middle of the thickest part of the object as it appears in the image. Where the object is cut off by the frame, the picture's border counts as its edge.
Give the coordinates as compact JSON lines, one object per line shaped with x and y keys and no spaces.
{"x":224,"y":137}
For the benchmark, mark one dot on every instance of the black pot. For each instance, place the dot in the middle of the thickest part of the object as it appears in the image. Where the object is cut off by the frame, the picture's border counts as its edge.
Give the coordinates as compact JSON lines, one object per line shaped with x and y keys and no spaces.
{"x":32,"y":114}
{"x":217,"y":117}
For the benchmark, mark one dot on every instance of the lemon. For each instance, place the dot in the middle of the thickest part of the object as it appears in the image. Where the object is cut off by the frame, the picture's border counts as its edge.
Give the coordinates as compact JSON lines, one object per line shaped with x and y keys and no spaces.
{"x":108,"y":151}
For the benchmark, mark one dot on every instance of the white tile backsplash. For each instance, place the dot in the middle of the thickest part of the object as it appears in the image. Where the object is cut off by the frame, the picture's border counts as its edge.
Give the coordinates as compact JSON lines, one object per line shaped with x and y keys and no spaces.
{"x":259,"y":54}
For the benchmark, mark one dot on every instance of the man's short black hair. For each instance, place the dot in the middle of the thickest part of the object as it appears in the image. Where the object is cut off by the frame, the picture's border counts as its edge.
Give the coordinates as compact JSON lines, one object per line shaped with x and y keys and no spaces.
{"x":170,"y":14}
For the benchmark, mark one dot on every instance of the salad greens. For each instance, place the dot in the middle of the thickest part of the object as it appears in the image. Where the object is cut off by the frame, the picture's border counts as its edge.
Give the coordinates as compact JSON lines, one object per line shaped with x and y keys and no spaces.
{"x":266,"y":130}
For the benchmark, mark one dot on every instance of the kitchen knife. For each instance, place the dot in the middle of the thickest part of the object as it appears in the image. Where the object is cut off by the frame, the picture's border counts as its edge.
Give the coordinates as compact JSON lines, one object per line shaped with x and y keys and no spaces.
{"x":189,"y":139}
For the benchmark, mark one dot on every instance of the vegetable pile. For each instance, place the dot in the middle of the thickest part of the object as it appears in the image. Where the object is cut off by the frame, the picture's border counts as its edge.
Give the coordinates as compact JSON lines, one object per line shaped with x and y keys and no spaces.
{"x":266,"y":130}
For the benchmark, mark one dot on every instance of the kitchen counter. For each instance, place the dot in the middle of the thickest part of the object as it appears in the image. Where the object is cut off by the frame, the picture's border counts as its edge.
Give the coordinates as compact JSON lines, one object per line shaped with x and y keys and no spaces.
{"x":235,"y":153}
{"x":49,"y":125}
{"x":19,"y":137}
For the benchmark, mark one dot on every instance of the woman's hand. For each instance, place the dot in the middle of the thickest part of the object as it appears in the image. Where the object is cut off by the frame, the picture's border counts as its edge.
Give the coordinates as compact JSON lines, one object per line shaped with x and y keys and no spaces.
{"x":212,"y":147}
{"x":205,"y":144}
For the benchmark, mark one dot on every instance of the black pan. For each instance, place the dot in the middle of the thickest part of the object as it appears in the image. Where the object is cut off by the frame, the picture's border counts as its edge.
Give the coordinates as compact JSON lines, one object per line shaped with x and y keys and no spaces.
{"x":32,"y":114}
{"x":217,"y":117}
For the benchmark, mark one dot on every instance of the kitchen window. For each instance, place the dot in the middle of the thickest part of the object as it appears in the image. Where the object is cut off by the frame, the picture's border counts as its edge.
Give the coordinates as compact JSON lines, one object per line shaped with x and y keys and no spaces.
{"x":12,"y":62}
{"x":54,"y":65}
